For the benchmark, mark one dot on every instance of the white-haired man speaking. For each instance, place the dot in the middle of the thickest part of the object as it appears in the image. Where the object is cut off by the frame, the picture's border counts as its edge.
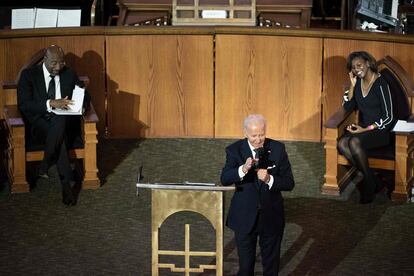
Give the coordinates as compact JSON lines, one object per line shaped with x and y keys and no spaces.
{"x":260,"y":169}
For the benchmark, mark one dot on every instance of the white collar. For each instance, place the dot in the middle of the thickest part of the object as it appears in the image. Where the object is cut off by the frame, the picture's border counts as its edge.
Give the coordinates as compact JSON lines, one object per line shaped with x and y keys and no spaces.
{"x":250,"y":146}
{"x":45,"y":71}
{"x":47,"y":74}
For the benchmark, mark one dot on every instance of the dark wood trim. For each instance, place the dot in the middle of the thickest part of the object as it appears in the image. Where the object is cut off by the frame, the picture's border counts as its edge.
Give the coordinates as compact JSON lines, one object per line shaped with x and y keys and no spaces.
{"x":45,"y":32}
{"x":400,"y":74}
{"x":337,"y":118}
{"x":13,"y":116}
{"x":208,"y":30}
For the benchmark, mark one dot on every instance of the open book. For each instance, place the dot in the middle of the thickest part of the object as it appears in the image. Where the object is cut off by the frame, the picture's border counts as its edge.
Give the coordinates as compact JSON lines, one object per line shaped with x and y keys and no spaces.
{"x":76,"y":107}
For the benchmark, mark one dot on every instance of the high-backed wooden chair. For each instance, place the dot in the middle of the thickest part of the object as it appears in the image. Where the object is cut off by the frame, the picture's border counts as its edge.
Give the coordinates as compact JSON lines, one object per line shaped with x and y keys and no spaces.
{"x":398,"y":156}
{"x":137,"y":12}
{"x":20,"y":148}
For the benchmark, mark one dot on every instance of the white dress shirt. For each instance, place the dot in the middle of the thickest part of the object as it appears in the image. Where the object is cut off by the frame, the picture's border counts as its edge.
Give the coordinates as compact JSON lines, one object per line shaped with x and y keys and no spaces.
{"x":242,"y":174}
{"x":47,"y":77}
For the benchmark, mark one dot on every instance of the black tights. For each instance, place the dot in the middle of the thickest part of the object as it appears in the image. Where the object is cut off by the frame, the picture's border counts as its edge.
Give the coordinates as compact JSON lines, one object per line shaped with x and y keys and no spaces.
{"x":351,"y":148}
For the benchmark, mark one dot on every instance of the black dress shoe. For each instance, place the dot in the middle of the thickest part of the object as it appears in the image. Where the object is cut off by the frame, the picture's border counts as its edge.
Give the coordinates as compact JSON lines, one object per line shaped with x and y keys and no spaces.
{"x":43,"y":175}
{"x":382,"y":185}
{"x":386,"y":188}
{"x":67,"y":195}
{"x":69,"y":202}
{"x":42,"y":170}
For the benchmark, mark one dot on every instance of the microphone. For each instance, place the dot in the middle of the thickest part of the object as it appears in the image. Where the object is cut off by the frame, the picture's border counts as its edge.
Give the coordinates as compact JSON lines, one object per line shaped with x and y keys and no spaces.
{"x":262,"y":156}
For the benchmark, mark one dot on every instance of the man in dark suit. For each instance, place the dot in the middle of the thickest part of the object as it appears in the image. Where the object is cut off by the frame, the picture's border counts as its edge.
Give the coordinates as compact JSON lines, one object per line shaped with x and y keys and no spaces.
{"x":41,"y":89}
{"x":256,"y":208}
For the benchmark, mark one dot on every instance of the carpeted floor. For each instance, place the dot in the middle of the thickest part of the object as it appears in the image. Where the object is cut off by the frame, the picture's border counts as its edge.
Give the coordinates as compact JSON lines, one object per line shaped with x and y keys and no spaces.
{"x":108,"y":232}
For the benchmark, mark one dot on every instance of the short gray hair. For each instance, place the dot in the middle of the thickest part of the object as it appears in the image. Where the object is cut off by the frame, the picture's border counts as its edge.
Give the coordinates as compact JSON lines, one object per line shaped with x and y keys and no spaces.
{"x":254,"y":119}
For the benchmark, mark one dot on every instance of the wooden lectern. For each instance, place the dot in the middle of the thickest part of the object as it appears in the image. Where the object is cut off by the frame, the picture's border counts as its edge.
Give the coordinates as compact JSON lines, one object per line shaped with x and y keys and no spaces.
{"x":170,"y":198}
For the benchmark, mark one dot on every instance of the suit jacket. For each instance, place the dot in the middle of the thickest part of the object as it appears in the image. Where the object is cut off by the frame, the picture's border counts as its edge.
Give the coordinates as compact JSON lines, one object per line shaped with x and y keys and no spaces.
{"x":32,"y":92}
{"x":248,"y":197}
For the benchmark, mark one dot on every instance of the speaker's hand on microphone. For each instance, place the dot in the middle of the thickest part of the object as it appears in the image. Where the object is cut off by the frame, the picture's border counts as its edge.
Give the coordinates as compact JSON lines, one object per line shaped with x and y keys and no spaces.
{"x":263,"y":175}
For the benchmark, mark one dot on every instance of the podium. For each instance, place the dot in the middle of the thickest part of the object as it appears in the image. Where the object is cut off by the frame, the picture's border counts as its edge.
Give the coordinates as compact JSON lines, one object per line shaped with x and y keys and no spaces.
{"x":204,"y":199}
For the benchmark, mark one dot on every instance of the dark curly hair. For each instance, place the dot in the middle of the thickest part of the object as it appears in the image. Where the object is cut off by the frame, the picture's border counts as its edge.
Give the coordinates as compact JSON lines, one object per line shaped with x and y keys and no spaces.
{"x":362,"y":55}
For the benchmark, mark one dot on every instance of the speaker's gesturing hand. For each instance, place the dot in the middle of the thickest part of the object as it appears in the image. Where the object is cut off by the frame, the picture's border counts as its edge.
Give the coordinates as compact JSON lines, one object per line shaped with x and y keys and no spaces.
{"x":248,"y":165}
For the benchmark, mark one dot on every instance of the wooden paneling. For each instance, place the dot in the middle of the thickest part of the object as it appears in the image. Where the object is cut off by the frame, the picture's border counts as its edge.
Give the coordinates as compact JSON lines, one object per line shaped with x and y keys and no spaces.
{"x":2,"y":75}
{"x":279,"y":77}
{"x":163,"y":82}
{"x":83,"y":53}
{"x":294,"y":13}
{"x":160,"y":86}
{"x":335,"y":74}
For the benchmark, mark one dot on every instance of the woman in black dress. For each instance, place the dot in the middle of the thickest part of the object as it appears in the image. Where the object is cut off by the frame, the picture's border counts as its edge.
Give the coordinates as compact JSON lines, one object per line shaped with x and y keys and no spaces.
{"x":370,"y":94}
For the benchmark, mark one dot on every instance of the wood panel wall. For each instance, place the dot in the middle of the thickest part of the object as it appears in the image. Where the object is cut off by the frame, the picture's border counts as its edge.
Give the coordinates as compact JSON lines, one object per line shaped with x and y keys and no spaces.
{"x":83,"y":53}
{"x":279,"y":77}
{"x":335,"y":74}
{"x":2,"y":75}
{"x":160,"y":85}
{"x":202,"y":82}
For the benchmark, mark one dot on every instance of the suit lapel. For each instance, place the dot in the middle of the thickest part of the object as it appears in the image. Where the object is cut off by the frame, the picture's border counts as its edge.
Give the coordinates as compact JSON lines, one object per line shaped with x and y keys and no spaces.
{"x":245,"y":150}
{"x":40,"y":79}
{"x":246,"y":153}
{"x":64,"y":89}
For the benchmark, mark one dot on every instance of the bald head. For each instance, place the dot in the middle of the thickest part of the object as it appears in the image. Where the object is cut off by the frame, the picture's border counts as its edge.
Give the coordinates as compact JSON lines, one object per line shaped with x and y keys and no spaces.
{"x":54,"y":59}
{"x":53,"y":50}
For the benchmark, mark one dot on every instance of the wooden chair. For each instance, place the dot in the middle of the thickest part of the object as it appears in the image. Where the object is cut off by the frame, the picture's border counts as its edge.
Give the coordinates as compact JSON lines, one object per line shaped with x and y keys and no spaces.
{"x":286,"y":13}
{"x":132,"y":12}
{"x":397,"y":157}
{"x":19,"y":149}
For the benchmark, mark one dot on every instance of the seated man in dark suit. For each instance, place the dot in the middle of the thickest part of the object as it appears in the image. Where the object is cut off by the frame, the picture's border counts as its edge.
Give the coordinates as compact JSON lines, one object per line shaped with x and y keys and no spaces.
{"x":260,"y":169}
{"x":41,"y":89}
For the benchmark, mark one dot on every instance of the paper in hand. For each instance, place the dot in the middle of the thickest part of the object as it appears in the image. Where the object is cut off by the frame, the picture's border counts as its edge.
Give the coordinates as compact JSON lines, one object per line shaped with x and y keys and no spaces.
{"x":76,"y":108}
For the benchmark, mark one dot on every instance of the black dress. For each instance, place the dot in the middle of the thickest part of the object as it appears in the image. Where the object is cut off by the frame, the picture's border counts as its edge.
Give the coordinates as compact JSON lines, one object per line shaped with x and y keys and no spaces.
{"x":374,"y":108}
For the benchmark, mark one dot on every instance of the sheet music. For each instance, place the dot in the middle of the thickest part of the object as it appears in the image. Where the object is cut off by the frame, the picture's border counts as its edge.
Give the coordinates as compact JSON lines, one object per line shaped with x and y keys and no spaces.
{"x":403,"y":126}
{"x":69,"y":18}
{"x":46,"y":18}
{"x":23,"y":18}
{"x":76,"y":108}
